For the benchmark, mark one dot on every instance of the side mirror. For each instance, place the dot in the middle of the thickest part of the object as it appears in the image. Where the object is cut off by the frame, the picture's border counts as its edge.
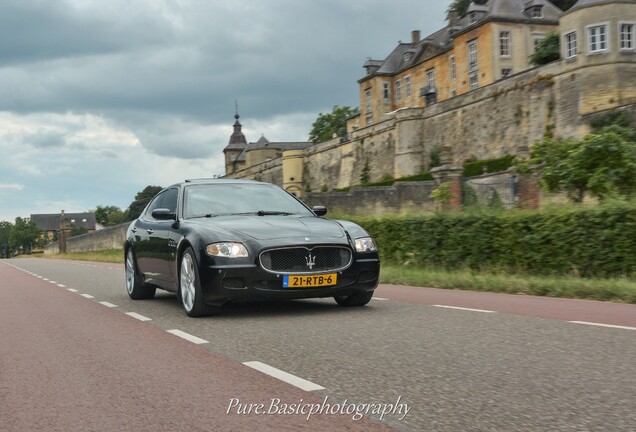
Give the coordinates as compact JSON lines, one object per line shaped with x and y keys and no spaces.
{"x":319,"y":210}
{"x":164,"y":214}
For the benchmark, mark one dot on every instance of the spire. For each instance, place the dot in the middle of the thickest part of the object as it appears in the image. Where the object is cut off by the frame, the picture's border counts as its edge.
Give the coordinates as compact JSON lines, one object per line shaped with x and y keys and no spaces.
{"x":237,"y":140}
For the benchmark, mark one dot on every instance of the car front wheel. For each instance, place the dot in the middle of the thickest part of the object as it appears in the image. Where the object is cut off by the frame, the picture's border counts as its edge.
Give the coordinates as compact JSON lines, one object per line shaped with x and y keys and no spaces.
{"x":190,"y":287}
{"x":137,"y":289}
{"x":358,"y":299}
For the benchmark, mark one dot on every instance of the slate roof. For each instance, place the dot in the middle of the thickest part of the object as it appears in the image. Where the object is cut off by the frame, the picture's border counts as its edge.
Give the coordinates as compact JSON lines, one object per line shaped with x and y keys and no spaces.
{"x":585,"y":3}
{"x":442,"y":40}
{"x":265,"y":143}
{"x":51,"y":222}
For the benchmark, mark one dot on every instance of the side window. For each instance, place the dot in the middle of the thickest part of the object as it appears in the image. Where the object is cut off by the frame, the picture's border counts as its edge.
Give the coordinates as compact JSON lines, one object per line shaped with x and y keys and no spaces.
{"x":170,"y":202}
{"x":155,"y":204}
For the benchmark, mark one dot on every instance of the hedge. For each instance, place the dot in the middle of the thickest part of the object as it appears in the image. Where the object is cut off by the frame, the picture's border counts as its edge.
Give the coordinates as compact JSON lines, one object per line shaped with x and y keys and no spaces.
{"x":592,"y":242}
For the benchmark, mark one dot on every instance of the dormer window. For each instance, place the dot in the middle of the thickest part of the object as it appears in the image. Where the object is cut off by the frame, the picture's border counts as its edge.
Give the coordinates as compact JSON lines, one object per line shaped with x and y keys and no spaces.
{"x":407,"y":57}
{"x":472,"y":18}
{"x":535,"y":11}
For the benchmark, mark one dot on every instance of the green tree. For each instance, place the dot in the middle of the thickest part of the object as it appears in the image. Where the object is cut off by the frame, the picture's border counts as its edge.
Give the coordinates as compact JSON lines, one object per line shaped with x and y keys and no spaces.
{"x":564,"y":4}
{"x":5,"y":233}
{"x":24,"y":234}
{"x":335,"y":122}
{"x":602,"y":165}
{"x":109,"y":215}
{"x":141,"y":201}
{"x":548,"y":50}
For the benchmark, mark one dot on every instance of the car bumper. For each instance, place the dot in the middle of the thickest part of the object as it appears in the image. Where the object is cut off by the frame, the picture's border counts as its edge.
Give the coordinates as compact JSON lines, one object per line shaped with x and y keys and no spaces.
{"x":223,"y":284}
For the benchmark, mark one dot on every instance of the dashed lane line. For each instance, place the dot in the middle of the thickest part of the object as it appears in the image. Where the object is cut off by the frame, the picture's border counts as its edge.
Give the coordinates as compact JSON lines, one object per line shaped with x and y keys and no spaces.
{"x":464,"y":309}
{"x":71,"y":290}
{"x":603,"y":325}
{"x":188,"y":337}
{"x":138,"y":316}
{"x":284,"y":376}
{"x":88,"y":296}
{"x":107,"y":304}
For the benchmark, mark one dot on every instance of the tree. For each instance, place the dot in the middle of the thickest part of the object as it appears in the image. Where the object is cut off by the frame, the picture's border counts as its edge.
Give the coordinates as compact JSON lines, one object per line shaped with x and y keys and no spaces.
{"x":564,"y":4}
{"x":602,"y":165}
{"x":326,"y":125}
{"x":109,"y":215}
{"x":24,"y":234}
{"x":5,"y":233}
{"x":141,"y":201}
{"x":547,"y":50}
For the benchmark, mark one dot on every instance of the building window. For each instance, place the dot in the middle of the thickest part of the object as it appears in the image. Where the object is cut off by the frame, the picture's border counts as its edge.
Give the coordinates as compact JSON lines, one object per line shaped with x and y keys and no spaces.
{"x":367,"y":106}
{"x":472,"y":18}
{"x":430,"y":78}
{"x":570,"y":45}
{"x":506,"y":72}
{"x":626,"y":36}
{"x":453,"y":93}
{"x":407,"y":86}
{"x":504,"y":44}
{"x":473,"y":70}
{"x":536,"y":11}
{"x":536,"y":40}
{"x":386,"y":92}
{"x":453,"y":74}
{"x":398,"y":90}
{"x":597,"y":38}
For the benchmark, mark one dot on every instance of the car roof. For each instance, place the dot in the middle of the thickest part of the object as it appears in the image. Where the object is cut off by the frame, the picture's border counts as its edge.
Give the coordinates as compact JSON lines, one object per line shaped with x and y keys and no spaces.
{"x":216,"y":181}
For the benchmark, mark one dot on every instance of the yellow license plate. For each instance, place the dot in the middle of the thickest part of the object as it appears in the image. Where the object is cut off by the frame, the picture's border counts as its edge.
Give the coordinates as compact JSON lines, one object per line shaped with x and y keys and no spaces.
{"x":309,"y":281}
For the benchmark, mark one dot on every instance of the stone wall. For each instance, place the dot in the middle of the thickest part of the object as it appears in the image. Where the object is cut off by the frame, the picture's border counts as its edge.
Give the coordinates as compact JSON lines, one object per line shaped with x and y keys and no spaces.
{"x":107,"y":238}
{"x":401,"y":198}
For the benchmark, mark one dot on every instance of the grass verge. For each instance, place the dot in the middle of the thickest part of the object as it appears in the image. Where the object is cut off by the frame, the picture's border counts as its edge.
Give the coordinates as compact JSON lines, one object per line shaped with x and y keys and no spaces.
{"x":110,"y":255}
{"x":620,"y":290}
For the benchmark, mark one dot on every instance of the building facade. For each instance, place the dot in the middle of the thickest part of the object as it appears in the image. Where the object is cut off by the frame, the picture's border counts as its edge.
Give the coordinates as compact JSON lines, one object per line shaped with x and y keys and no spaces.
{"x":469,"y":92}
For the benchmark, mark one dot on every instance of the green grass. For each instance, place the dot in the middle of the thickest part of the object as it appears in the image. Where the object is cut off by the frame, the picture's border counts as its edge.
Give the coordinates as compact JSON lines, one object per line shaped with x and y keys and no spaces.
{"x":110,"y":255}
{"x":619,"y":290}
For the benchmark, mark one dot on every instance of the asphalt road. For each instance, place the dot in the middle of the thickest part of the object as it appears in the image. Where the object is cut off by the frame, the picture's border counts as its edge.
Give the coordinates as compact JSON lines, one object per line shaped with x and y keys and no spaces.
{"x":459,"y":361}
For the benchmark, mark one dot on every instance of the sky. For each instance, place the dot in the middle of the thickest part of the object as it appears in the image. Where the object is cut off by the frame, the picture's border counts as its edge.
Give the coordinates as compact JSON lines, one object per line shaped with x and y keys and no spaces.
{"x":99,"y":99}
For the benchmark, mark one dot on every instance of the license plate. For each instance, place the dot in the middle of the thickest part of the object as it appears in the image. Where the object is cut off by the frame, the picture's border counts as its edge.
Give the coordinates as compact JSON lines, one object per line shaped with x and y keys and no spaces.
{"x":309,"y":281}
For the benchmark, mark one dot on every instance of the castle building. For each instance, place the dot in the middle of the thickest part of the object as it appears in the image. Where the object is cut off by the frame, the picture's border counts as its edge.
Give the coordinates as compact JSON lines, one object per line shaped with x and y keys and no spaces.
{"x":467,"y":91}
{"x":490,"y":42}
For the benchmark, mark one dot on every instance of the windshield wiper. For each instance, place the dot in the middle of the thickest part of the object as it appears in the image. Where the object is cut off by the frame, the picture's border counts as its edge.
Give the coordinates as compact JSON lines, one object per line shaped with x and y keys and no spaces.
{"x":272,"y":213}
{"x":209,"y":215}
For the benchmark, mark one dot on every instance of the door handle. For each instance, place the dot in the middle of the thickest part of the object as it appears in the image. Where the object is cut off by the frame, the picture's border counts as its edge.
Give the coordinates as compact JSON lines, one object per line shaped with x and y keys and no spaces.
{"x":149,"y":231}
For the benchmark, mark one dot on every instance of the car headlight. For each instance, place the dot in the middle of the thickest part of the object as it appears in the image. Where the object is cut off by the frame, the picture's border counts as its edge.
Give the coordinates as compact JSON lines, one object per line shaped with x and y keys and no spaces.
{"x":365,"y":244}
{"x":227,"y":250}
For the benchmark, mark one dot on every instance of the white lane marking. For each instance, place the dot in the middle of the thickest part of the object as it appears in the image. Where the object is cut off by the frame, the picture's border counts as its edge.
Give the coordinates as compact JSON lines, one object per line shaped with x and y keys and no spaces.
{"x":45,"y":279}
{"x":88,"y":296}
{"x":61,"y":285}
{"x":71,"y":289}
{"x":284,"y":376}
{"x":378,"y":298}
{"x":603,"y":325}
{"x":53,"y":282}
{"x":137,"y":316}
{"x":188,"y":337}
{"x":464,"y":309}
{"x":110,"y":305}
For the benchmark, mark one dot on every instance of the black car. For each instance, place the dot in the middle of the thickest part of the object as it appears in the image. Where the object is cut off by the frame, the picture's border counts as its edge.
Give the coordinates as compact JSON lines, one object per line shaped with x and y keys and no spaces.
{"x":223,"y":240}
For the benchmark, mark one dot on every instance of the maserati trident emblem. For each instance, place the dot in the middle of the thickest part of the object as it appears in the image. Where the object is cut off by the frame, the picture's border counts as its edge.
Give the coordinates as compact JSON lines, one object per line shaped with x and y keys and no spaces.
{"x":311,"y":261}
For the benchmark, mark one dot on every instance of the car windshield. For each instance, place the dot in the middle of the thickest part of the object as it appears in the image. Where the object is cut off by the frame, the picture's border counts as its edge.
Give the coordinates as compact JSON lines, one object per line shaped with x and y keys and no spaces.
{"x":210,"y":200}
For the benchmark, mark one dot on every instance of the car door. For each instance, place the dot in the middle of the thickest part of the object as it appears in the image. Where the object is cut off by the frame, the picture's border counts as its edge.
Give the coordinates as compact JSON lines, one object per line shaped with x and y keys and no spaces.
{"x":152,"y":245}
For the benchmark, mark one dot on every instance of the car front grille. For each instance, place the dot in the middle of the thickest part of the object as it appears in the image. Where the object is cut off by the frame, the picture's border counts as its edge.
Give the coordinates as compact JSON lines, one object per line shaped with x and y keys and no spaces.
{"x":319,"y":259}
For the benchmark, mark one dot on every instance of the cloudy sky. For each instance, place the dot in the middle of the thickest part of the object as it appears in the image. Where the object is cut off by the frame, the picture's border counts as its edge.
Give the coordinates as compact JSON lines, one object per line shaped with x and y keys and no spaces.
{"x":100,"y":98}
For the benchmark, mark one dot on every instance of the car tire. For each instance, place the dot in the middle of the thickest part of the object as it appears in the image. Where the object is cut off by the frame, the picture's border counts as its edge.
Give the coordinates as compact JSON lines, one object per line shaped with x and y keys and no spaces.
{"x":137,"y":289}
{"x":189,"y":292}
{"x":358,"y":299}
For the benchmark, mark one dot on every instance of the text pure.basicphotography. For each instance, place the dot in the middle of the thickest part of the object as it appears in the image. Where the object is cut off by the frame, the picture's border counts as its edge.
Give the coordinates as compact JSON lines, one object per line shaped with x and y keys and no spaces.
{"x":307,"y":409}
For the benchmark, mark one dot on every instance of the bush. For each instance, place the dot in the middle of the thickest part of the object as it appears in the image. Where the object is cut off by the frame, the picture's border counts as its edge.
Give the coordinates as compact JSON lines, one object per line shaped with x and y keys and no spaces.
{"x":476,"y":168}
{"x":596,"y":242}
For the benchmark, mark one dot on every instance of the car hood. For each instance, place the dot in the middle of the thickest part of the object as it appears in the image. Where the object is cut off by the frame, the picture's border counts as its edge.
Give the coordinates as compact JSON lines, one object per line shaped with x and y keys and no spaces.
{"x":272,"y":227}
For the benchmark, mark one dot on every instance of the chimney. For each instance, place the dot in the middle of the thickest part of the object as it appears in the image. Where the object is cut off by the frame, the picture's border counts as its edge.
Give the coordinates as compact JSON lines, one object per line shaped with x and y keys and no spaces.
{"x":416,"y":37}
{"x":452,"y":16}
